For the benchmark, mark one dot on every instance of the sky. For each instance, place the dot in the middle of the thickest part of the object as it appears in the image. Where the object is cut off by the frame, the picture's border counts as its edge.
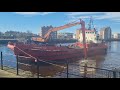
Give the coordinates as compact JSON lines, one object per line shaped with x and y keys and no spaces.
{"x":33,"y":21}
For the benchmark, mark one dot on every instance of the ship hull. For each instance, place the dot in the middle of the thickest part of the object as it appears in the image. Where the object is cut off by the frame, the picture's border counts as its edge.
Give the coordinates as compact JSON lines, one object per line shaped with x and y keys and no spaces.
{"x":29,"y":53}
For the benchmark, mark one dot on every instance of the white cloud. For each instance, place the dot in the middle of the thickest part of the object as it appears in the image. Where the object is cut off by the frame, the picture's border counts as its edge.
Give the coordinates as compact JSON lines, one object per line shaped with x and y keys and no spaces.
{"x":82,"y":13}
{"x":27,"y":13}
{"x":34,"y":13}
{"x":114,"y":16}
{"x":45,"y":13}
{"x":110,"y":15}
{"x":73,"y":16}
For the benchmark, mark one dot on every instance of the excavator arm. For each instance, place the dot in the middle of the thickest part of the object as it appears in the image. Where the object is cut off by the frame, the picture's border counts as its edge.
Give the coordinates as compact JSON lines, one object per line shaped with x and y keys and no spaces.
{"x":47,"y":35}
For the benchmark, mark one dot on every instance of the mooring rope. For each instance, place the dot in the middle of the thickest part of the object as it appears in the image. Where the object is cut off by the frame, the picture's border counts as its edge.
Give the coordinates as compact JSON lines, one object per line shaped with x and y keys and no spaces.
{"x":40,"y":59}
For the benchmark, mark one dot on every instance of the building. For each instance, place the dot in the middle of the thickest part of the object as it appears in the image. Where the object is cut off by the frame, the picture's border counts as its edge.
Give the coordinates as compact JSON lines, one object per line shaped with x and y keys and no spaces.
{"x":45,"y":29}
{"x":40,"y":34}
{"x":112,"y":36}
{"x":78,"y":34}
{"x":91,"y":35}
{"x":66,"y":36}
{"x":105,"y":33}
{"x":116,"y":35}
{"x":74,"y":36}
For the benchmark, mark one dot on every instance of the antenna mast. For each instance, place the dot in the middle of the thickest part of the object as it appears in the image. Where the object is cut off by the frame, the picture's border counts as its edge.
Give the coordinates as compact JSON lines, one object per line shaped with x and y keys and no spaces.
{"x":90,"y":23}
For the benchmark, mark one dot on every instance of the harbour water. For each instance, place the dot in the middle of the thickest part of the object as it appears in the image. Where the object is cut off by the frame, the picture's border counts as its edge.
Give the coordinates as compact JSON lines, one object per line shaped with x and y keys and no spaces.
{"x":9,"y":59}
{"x":109,"y":61}
{"x":112,"y":59}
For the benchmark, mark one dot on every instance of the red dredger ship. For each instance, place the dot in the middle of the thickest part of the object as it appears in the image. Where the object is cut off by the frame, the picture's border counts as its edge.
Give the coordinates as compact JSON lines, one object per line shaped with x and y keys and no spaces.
{"x":58,"y":53}
{"x":45,"y":52}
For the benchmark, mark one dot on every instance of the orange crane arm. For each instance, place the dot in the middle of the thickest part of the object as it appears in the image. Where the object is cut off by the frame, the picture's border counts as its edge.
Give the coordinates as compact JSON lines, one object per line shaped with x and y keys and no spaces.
{"x":47,"y":35}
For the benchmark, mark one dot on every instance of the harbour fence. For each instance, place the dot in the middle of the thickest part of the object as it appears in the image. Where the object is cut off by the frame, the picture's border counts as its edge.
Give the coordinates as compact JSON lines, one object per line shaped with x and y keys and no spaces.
{"x":54,"y":69}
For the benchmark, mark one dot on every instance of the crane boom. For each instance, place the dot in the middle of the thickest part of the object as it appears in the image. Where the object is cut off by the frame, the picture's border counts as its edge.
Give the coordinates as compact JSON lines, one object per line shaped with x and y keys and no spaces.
{"x":47,"y":36}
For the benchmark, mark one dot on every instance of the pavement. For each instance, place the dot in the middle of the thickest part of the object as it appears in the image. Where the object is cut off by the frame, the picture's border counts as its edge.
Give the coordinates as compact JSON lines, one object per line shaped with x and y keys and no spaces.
{"x":5,"y":74}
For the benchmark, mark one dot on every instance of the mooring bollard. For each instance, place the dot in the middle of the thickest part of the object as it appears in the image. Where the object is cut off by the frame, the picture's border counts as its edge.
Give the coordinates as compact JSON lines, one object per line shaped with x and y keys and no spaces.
{"x":1,"y":61}
{"x":17,"y":66}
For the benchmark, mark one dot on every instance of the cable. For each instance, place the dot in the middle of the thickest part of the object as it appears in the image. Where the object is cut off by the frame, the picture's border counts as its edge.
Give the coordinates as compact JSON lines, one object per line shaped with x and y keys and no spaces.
{"x":40,"y":60}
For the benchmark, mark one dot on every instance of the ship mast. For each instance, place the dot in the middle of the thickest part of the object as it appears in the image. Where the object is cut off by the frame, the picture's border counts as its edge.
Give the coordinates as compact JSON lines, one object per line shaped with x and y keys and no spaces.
{"x":90,"y":23}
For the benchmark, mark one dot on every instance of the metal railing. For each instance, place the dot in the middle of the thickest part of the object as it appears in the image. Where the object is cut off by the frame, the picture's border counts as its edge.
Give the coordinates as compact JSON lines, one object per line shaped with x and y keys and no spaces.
{"x":70,"y":70}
